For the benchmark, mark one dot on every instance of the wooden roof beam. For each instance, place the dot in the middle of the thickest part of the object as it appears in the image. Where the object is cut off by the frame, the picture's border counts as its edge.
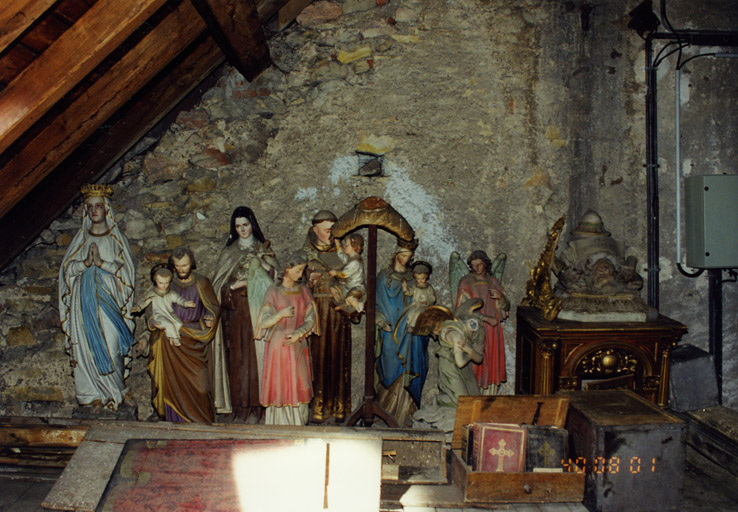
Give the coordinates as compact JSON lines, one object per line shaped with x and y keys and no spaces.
{"x":289,"y":12}
{"x":103,"y":98}
{"x":235,"y":26}
{"x":17,"y":15}
{"x":93,"y":158}
{"x":102,"y":29}
{"x":286,"y":11}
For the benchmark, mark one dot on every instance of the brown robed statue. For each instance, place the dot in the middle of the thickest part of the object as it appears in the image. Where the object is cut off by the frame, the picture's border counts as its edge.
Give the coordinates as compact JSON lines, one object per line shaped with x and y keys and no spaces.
{"x":180,"y":374}
{"x":331,"y":349}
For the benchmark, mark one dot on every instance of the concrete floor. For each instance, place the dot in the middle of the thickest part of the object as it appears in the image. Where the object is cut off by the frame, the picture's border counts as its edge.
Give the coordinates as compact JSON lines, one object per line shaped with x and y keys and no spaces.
{"x":22,"y":495}
{"x":706,"y":487}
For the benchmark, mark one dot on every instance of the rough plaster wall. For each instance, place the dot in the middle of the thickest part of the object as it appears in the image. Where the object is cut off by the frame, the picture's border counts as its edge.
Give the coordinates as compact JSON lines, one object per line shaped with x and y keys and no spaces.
{"x":494,"y":118}
{"x":708,"y":135}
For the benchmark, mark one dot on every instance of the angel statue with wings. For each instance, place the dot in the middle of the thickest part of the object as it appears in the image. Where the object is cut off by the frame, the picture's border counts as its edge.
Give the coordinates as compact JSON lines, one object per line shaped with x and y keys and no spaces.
{"x":482,"y":281}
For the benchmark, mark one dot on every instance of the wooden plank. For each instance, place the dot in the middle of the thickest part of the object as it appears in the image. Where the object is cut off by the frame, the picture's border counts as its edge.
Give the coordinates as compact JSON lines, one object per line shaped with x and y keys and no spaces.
{"x":620,"y":408}
{"x":62,"y":135}
{"x":17,"y":15}
{"x":713,"y":432}
{"x":36,"y":458}
{"x":419,"y":455}
{"x":84,"y":480}
{"x":235,"y":26}
{"x":289,"y":12}
{"x":26,"y":220}
{"x":485,"y":487}
{"x":92,"y":463}
{"x":268,"y":8}
{"x":71,"y":10}
{"x":18,"y":58}
{"x":30,"y":500}
{"x":44,"y":33}
{"x":13,"y":490}
{"x":102,"y":29}
{"x":41,"y":436}
{"x":422,"y":498}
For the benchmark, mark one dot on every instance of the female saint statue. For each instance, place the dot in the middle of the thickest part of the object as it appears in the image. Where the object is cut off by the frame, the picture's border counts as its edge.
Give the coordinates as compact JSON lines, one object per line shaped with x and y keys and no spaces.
{"x":96,"y":282}
{"x":244,"y":271}
{"x":402,"y":364}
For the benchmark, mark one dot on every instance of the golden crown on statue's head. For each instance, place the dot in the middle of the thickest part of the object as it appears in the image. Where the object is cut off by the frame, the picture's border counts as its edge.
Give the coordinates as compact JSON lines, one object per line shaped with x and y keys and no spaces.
{"x":91,"y":190}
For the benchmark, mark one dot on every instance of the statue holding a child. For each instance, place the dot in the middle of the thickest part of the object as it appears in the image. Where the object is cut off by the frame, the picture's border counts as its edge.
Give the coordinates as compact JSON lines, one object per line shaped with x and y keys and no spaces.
{"x":180,"y":374}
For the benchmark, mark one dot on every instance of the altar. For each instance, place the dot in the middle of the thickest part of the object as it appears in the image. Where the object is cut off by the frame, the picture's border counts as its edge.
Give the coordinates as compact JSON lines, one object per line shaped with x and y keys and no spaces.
{"x":569,"y":355}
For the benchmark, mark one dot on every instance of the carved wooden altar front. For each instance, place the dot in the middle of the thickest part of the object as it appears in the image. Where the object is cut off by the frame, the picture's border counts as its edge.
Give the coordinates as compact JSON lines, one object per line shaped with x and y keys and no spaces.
{"x":568,"y":355}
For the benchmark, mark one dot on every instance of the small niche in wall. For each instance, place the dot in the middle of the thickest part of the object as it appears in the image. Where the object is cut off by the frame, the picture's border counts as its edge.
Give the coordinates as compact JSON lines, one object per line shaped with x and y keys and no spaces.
{"x":370,"y":164}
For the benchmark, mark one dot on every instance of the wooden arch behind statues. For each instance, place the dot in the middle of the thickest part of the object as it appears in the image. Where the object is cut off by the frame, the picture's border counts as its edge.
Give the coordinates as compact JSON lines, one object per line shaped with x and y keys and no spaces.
{"x":372,"y":212}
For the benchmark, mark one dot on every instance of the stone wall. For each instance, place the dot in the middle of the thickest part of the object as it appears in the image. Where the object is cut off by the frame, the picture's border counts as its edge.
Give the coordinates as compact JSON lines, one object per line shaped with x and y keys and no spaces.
{"x":494,"y":118}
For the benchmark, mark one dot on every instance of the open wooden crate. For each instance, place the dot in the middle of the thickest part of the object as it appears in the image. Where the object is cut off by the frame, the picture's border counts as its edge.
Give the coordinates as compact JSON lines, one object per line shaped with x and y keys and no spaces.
{"x":485,"y":487}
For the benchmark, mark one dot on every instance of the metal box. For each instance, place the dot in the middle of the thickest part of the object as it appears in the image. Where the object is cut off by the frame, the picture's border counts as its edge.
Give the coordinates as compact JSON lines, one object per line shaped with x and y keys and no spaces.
{"x":711,"y":217}
{"x":692,"y":379}
{"x":631,"y":451}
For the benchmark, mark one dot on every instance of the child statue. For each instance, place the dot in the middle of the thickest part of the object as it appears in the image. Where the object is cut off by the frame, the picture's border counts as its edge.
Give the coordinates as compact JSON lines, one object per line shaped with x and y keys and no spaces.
{"x":350,"y":293}
{"x":161,"y":299}
{"x":421,"y":291}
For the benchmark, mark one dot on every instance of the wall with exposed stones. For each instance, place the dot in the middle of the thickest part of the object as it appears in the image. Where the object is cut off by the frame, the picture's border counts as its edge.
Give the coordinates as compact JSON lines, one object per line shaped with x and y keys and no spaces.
{"x":494,"y":118}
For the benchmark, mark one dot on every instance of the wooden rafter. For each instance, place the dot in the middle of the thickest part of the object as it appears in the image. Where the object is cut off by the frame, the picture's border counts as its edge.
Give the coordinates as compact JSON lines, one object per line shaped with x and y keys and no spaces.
{"x":66,"y":131}
{"x":102,"y":29}
{"x":81,"y":81}
{"x":17,"y":15}
{"x":87,"y":164}
{"x":235,"y":26}
{"x":285,"y":10}
{"x":289,"y":12}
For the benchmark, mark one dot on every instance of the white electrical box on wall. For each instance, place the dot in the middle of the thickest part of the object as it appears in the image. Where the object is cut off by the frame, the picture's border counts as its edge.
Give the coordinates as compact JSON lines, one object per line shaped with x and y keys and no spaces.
{"x":711,"y":217}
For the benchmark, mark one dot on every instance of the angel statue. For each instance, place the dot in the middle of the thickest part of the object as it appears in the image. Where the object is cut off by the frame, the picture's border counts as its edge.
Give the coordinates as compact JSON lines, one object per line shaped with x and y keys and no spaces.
{"x":482,"y":281}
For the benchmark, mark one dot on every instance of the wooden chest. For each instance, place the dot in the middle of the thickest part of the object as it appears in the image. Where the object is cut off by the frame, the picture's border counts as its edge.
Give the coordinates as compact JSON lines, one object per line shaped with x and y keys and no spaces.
{"x":484,"y":487}
{"x":631,"y":452}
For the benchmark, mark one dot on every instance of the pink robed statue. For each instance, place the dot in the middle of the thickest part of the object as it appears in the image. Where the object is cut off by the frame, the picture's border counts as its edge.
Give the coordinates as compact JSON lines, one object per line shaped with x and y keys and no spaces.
{"x":286,"y":318}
